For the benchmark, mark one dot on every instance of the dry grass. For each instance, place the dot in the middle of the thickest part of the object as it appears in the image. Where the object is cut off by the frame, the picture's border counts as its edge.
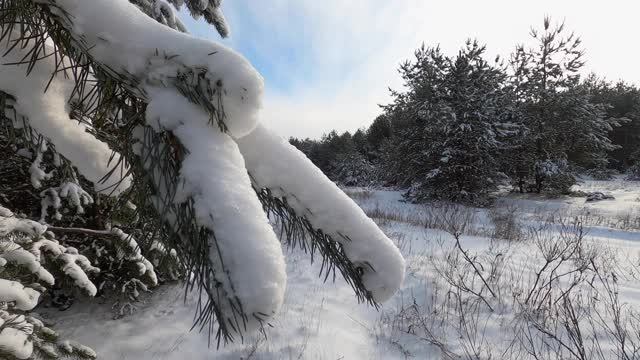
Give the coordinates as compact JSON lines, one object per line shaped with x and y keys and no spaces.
{"x":622,"y":220}
{"x":564,"y":305}
{"x":386,"y":216}
{"x":359,"y":194}
{"x":448,"y":217}
{"x":506,"y":222}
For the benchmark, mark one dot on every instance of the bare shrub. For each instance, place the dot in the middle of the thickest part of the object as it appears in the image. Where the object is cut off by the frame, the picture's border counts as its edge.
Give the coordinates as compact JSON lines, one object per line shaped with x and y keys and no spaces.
{"x":563,"y":302}
{"x":628,"y":219}
{"x":506,"y":223}
{"x":387,"y":215}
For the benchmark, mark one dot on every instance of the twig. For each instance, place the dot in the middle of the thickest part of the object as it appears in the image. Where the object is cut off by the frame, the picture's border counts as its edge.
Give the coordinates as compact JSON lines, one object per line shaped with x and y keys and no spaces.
{"x":80,"y":231}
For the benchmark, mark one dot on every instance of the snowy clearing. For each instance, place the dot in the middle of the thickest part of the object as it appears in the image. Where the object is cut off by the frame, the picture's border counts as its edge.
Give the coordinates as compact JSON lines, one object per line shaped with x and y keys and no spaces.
{"x":320,"y":321}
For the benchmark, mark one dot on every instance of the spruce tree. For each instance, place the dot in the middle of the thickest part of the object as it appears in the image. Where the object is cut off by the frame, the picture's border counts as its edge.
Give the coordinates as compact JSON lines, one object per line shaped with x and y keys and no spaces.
{"x":153,"y":135}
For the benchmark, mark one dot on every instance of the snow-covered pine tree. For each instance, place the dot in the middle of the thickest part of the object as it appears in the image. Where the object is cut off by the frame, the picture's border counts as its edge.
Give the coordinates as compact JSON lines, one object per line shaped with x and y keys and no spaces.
{"x":622,"y":101}
{"x":341,"y":157}
{"x":470,"y":138}
{"x":586,"y":136}
{"x":462,"y":116}
{"x":351,"y":168}
{"x":166,"y":125}
{"x":406,"y":160}
{"x":377,"y":134}
{"x":558,"y":112}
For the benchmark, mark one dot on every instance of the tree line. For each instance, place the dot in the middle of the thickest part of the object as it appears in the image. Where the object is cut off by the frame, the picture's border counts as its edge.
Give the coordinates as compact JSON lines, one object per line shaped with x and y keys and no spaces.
{"x":464,"y":125}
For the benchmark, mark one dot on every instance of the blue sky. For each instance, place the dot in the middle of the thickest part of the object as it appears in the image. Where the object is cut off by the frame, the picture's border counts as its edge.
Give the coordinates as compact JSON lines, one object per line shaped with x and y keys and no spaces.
{"x":328,"y":63}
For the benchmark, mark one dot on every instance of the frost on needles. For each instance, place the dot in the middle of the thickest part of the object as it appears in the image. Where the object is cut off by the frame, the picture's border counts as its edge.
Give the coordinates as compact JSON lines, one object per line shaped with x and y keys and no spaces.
{"x":168,"y":125}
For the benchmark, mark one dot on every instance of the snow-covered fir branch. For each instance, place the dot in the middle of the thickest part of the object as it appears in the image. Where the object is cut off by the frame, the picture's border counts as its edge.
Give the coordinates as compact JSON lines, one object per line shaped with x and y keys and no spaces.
{"x":172,"y":122}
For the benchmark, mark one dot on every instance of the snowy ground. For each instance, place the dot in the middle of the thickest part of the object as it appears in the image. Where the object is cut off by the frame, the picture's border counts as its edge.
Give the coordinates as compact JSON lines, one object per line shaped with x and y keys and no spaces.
{"x":324,"y":321}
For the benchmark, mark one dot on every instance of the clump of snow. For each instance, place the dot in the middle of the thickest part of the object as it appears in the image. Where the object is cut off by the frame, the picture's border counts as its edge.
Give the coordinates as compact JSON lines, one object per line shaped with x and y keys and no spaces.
{"x":37,"y":174}
{"x":275,"y":164}
{"x":12,"y":253}
{"x":15,"y":335}
{"x":119,"y":35}
{"x":72,"y":348}
{"x":74,"y":265}
{"x":70,"y":190}
{"x":134,"y":253}
{"x":10,"y":224}
{"x":48,"y":114}
{"x":24,"y":152}
{"x":20,"y":297}
{"x":214,"y":175}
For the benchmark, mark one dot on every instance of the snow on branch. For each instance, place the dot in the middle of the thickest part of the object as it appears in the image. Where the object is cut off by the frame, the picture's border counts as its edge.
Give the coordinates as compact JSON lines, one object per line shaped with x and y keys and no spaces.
{"x":10,"y":224}
{"x":214,"y":178}
{"x":24,"y":244}
{"x":73,"y":264}
{"x":70,"y":190}
{"x":30,"y":249}
{"x":276,"y":165}
{"x":15,"y":333}
{"x":195,"y":140}
{"x":118,"y":36}
{"x":133,"y":252}
{"x":48,"y":114}
{"x":162,"y":12}
{"x":18,"y":296}
{"x":23,"y":336}
{"x":36,"y":171}
{"x":191,"y":86}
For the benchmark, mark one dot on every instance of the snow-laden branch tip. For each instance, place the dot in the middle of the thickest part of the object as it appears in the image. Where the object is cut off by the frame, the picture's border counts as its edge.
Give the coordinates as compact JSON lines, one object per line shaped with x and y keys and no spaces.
{"x":22,"y":298}
{"x":15,"y":334}
{"x":275,"y":164}
{"x":48,"y":114}
{"x":214,"y":176}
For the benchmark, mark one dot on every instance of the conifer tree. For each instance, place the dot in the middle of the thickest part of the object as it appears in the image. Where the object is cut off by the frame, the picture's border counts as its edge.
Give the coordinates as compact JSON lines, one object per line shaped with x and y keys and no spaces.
{"x":558,"y":113}
{"x":468,"y":141}
{"x":622,"y":105}
{"x":412,"y":115}
{"x":458,"y":116}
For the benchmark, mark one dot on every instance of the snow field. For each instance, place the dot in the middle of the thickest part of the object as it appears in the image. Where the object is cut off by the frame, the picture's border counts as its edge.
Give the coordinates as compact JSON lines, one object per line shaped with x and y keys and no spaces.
{"x":423,"y":320}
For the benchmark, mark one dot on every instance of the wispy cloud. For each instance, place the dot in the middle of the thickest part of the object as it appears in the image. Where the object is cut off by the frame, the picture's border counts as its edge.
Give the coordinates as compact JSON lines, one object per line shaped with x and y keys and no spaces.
{"x":328,"y":64}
